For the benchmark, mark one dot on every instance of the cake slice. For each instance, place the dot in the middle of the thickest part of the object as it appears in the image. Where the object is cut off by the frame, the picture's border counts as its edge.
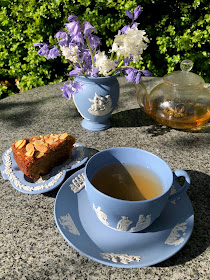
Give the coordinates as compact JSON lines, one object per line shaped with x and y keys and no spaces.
{"x":39,"y":154}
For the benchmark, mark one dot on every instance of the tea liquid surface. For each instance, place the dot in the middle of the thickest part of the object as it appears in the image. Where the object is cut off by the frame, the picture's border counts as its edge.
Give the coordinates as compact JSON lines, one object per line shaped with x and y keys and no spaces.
{"x":127,"y":182}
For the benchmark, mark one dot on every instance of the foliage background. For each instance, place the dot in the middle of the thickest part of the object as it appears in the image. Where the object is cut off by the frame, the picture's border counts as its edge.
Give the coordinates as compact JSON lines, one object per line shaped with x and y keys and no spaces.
{"x":178,"y":30}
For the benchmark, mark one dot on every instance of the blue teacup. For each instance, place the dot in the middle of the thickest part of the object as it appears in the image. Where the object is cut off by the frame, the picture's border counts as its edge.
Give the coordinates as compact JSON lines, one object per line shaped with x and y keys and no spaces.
{"x":125,"y":215}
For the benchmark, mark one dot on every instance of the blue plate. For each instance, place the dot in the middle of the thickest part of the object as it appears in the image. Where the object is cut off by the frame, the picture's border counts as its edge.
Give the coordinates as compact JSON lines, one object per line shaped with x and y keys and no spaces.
{"x":10,"y":171}
{"x":81,"y":228}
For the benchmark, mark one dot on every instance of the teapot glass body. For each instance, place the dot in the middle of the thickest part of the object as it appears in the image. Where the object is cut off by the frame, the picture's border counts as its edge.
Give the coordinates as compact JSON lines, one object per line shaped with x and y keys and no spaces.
{"x":181,"y":101}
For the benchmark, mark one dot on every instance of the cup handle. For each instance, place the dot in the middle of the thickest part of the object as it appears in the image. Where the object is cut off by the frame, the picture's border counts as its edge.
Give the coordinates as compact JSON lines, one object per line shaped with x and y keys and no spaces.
{"x":177,"y":190}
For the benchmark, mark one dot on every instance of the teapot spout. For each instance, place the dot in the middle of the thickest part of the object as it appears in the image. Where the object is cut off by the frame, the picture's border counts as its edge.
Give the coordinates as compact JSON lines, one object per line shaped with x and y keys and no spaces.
{"x":143,"y":97}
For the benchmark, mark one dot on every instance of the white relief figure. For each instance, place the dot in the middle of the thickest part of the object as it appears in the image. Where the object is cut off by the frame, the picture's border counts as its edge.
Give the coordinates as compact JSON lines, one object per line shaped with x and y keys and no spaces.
{"x":101,"y":215}
{"x":124,"y":224}
{"x":123,"y":258}
{"x":66,"y":221}
{"x":143,"y":222}
{"x":78,"y":183}
{"x":101,"y":105}
{"x":175,"y":237}
{"x":173,"y":191}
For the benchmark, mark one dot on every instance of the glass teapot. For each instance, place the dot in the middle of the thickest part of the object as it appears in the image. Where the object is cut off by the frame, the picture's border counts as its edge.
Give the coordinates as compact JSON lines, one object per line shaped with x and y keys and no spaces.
{"x":181,"y":101}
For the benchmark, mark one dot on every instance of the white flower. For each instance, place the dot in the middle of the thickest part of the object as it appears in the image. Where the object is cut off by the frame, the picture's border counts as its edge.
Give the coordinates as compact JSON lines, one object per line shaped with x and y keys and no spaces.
{"x":103,"y":64}
{"x":114,"y":47}
{"x":133,"y":42}
{"x":70,"y":53}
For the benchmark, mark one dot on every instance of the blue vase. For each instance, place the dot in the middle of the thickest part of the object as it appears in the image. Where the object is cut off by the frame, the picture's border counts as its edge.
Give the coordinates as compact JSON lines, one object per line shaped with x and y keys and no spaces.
{"x":96,"y":101}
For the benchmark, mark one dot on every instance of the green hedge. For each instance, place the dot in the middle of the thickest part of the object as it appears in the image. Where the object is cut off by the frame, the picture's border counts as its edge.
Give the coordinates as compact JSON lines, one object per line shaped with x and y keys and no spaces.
{"x":177,"y":29}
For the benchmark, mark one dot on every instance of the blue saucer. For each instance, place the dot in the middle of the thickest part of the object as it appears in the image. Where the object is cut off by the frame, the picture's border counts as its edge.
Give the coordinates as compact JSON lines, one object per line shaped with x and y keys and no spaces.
{"x":81,"y":228}
{"x":10,"y":171}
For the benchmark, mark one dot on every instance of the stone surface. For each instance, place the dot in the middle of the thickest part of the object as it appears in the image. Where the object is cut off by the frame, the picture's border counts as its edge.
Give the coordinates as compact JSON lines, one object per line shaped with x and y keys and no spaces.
{"x":31,"y":246}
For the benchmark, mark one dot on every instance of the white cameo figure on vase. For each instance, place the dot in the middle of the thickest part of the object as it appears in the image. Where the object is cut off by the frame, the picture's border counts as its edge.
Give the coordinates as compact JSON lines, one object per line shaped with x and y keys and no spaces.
{"x":101,"y":105}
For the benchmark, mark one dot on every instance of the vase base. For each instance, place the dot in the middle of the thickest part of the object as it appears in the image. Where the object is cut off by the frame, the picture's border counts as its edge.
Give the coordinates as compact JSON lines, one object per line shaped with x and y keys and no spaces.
{"x":94,"y":126}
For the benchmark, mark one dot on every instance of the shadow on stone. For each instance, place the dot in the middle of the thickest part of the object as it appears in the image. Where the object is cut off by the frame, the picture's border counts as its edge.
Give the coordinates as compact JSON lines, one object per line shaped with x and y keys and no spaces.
{"x":137,"y":118}
{"x":130,"y":118}
{"x":158,"y":129}
{"x":199,"y":241}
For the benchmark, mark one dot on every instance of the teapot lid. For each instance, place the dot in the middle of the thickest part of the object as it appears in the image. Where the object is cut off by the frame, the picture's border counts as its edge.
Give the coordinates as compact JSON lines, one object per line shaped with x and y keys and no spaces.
{"x":184,"y":77}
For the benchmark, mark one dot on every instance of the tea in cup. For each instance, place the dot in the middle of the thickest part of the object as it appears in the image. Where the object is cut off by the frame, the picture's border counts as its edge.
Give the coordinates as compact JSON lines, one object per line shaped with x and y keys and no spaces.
{"x":128,"y":187}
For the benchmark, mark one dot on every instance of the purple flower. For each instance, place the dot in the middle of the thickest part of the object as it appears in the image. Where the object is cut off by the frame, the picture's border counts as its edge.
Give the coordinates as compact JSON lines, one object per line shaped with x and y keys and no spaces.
{"x":71,"y":89}
{"x":77,"y":65}
{"x":124,"y":29}
{"x":60,"y":34}
{"x":43,"y":50}
{"x":63,"y":42}
{"x":67,"y":92}
{"x":129,"y":14}
{"x":75,"y":72}
{"x":78,"y":38}
{"x":73,"y":18}
{"x":87,"y":61}
{"x":137,"y":12}
{"x":37,"y":44}
{"x":88,"y":28}
{"x":127,"y":60}
{"x":88,"y":69}
{"x":147,"y":73}
{"x":94,"y":41}
{"x":138,"y":77}
{"x":73,"y":28}
{"x":50,"y":53}
{"x":76,"y":86}
{"x":134,"y":25}
{"x":134,"y":75}
{"x":130,"y":74}
{"x":86,"y":55}
{"x":94,"y":72}
{"x":53,"y":53}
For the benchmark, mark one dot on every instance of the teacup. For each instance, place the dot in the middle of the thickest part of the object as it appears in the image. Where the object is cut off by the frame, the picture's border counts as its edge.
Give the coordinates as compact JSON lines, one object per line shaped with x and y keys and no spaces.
{"x":125,"y":215}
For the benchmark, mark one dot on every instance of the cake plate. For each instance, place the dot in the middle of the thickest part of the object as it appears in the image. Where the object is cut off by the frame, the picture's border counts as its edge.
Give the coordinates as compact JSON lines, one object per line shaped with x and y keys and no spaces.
{"x":10,"y":171}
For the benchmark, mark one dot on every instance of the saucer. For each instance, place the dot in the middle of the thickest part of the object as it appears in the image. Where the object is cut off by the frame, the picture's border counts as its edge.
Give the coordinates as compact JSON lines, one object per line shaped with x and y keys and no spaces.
{"x":10,"y":171}
{"x":78,"y":224}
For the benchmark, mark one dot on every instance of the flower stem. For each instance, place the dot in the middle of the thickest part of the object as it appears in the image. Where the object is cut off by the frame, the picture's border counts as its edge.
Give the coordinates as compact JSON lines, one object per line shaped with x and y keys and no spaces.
{"x":120,"y":64}
{"x":91,"y":52}
{"x":117,"y":68}
{"x":78,"y":60}
{"x":128,"y":66}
